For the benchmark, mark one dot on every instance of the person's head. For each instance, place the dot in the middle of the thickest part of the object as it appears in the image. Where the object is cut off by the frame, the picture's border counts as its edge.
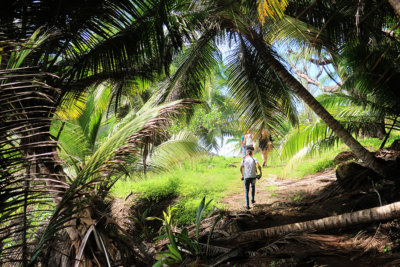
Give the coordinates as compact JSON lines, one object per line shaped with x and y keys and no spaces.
{"x":249,"y":152}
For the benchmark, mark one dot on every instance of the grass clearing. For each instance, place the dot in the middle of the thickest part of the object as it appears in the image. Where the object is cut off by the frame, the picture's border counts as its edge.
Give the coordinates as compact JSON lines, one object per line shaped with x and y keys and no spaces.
{"x":216,"y":177}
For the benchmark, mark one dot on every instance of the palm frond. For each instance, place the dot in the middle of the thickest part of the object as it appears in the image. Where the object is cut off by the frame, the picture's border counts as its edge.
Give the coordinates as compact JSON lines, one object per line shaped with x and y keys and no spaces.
{"x":178,"y":148}
{"x":306,"y":142}
{"x":310,"y":136}
{"x":263,"y":100}
{"x":271,"y":8}
{"x":25,"y":145}
{"x":194,"y":67}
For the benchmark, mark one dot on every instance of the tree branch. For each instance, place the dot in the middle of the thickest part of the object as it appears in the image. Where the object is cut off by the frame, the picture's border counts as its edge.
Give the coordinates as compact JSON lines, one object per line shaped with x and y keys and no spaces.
{"x":312,"y":81}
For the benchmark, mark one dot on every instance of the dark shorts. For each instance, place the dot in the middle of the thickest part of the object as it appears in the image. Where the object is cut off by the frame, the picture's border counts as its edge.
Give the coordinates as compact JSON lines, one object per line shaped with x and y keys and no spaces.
{"x":263,"y":144}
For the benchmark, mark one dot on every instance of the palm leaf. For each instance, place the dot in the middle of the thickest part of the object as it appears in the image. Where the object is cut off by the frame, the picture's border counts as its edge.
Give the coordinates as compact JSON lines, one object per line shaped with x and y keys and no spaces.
{"x":271,"y":8}
{"x":263,"y":100}
{"x":194,"y":67}
{"x":175,"y":150}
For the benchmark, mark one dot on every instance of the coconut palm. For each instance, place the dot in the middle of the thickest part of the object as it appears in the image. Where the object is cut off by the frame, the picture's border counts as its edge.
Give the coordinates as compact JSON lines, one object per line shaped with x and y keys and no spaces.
{"x":367,"y":68}
{"x":358,"y":113}
{"x":29,"y":220}
{"x":104,"y":41}
{"x":240,"y":22}
{"x":119,"y":155}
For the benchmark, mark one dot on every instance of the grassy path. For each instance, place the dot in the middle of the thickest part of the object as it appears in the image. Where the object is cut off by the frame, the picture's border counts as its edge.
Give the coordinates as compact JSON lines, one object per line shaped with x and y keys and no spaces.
{"x":271,"y":191}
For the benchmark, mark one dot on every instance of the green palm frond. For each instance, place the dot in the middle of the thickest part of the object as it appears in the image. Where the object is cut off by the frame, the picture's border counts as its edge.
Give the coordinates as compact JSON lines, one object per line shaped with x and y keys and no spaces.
{"x":311,"y":137}
{"x":21,"y":53}
{"x":262,"y":98}
{"x":142,"y":47}
{"x":343,"y":21}
{"x":373,"y":75}
{"x":307,"y":141}
{"x":71,"y":106}
{"x":178,"y":148}
{"x":140,"y":127}
{"x":74,"y":147}
{"x":79,"y":138}
{"x":123,"y":145}
{"x":355,"y":113}
{"x":291,"y":30}
{"x":194,"y":67}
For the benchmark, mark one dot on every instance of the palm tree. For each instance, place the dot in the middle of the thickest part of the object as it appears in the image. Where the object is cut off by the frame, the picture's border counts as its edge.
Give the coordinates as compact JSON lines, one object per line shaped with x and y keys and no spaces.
{"x":240,"y":21}
{"x":120,"y":154}
{"x":105,"y":41}
{"x":359,"y":113}
{"x":123,"y":41}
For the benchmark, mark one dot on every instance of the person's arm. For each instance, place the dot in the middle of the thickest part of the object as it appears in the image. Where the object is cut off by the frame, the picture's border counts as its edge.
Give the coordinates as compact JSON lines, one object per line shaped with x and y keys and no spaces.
{"x":259,"y":168}
{"x":241,"y":171}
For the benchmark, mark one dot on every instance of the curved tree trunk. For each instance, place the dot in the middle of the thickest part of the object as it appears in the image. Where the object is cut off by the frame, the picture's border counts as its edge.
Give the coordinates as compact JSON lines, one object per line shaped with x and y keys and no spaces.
{"x":396,"y":6}
{"x":386,"y":212}
{"x":369,"y":160}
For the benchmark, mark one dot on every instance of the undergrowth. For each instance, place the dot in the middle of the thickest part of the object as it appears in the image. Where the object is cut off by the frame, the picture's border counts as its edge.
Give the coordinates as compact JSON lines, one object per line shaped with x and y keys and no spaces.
{"x":214,"y":177}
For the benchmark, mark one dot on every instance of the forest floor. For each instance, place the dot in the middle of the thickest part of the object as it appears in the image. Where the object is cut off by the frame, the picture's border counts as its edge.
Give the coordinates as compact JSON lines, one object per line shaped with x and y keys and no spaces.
{"x":280,"y":202}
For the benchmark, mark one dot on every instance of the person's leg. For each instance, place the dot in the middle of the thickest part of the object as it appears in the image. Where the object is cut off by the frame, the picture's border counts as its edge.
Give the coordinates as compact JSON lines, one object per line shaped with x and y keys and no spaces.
{"x":253,"y":189}
{"x":264,"y":156}
{"x":246,"y":191}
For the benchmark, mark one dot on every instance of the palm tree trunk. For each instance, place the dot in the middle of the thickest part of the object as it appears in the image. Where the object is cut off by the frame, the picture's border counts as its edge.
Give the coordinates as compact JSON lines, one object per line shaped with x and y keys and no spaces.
{"x":396,"y":6}
{"x":386,"y":212}
{"x":369,"y":160}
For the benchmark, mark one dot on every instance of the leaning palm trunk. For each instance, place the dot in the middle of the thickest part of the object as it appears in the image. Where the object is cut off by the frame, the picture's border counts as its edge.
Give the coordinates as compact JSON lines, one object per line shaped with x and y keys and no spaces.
{"x":362,"y":153}
{"x":396,"y":6}
{"x":386,"y":212}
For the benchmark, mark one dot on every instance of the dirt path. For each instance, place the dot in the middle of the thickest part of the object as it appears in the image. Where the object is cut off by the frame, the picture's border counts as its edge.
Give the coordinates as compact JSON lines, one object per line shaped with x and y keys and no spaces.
{"x":272,"y":191}
{"x":288,"y":201}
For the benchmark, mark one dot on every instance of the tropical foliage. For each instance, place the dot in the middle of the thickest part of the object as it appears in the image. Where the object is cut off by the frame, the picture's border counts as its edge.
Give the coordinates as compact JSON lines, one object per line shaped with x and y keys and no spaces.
{"x":91,"y":96}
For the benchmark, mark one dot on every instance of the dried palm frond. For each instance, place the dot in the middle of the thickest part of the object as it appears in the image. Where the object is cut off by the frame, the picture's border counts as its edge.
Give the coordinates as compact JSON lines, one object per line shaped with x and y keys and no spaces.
{"x":25,"y":146}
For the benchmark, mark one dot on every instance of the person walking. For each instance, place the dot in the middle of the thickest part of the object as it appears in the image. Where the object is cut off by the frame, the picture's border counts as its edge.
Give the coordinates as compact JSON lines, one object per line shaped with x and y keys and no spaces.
{"x":243,"y":146}
{"x":265,"y":144}
{"x":248,"y":140}
{"x":248,"y":168}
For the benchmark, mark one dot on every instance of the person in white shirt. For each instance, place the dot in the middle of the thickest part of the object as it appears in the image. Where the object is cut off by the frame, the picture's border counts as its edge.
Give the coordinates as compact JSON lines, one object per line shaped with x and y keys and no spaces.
{"x":248,"y":168}
{"x":248,"y":140}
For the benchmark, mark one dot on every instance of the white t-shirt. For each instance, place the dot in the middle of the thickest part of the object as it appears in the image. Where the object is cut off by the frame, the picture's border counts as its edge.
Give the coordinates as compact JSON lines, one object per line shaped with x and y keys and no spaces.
{"x":249,"y":167}
{"x":249,"y":140}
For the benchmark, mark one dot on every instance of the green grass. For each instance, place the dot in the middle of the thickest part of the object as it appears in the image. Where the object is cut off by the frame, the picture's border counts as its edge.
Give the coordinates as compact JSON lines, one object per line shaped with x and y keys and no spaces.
{"x":216,"y":177}
{"x":213,"y":177}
